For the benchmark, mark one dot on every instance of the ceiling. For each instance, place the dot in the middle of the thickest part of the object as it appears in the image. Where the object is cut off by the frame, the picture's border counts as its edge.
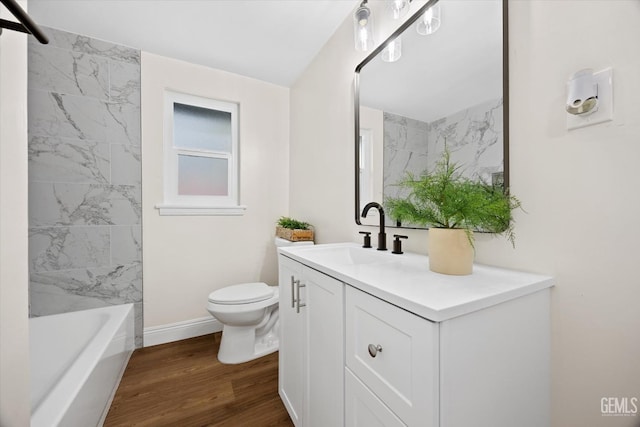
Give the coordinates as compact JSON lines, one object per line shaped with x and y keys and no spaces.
{"x":270,"y":40}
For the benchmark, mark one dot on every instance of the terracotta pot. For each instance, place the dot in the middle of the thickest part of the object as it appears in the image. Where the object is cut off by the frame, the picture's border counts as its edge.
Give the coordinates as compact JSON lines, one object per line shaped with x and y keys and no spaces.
{"x":450,"y":251}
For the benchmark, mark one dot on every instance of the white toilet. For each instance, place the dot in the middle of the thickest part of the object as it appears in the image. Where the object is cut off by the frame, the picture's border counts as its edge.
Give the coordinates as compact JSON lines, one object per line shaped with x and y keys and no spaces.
{"x":249,"y":315}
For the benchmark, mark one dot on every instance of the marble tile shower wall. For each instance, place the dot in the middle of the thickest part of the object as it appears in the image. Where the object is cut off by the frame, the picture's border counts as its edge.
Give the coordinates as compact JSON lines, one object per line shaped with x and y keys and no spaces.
{"x":85,"y":240}
{"x":473,"y":136}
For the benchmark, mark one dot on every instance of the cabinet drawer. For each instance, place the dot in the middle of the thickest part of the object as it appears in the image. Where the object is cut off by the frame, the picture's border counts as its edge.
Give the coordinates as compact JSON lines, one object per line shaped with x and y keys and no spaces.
{"x":403,"y":373}
{"x":363,"y":408}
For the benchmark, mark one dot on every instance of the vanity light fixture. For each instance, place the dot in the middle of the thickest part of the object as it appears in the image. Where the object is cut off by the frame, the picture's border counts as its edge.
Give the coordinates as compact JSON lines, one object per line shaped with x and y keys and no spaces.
{"x":589,"y":98}
{"x":583,"y":93}
{"x":363,"y":27}
{"x":393,"y":51}
{"x":430,"y":21}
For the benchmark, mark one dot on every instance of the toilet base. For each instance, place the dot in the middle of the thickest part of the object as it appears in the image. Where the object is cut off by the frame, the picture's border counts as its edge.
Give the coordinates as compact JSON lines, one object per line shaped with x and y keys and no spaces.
{"x":239,"y":344}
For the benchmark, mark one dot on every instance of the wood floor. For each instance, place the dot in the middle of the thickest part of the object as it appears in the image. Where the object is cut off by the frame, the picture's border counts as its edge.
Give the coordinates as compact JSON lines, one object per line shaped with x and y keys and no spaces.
{"x":183,"y":384}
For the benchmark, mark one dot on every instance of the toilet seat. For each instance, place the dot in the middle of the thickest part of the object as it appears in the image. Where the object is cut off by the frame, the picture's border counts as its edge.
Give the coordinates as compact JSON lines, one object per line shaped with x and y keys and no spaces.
{"x":244,"y":293}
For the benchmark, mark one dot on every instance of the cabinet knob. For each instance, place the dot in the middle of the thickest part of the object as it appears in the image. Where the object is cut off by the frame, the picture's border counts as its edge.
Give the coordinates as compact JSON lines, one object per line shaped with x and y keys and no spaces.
{"x":374,"y":350}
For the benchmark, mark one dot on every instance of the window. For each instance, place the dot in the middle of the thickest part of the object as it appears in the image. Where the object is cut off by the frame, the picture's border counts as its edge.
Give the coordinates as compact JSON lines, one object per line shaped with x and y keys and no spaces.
{"x":200,"y":156}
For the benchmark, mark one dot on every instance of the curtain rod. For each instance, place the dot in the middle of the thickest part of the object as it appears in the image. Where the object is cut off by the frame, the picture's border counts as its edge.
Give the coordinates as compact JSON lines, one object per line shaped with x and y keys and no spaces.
{"x":26,"y":24}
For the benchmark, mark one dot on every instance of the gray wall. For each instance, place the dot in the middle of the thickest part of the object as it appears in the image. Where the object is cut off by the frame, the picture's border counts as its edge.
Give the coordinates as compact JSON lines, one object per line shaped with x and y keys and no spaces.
{"x":85,"y":245}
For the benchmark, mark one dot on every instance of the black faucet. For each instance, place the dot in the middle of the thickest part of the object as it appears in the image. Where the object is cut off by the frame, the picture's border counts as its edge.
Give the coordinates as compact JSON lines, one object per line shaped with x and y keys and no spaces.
{"x":382,"y":236}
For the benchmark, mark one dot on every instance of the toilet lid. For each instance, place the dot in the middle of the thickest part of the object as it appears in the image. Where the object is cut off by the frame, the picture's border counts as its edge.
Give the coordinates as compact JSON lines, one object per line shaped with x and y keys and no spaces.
{"x":244,"y":293}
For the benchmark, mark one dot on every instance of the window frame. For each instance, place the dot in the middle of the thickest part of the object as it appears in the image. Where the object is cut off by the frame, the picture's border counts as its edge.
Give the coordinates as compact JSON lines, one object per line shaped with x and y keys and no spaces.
{"x":177,"y":204}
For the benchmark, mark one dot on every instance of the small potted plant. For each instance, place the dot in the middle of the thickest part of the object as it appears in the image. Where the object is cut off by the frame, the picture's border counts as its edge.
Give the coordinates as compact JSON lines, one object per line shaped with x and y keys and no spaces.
{"x":293,"y":230}
{"x":453,"y":206}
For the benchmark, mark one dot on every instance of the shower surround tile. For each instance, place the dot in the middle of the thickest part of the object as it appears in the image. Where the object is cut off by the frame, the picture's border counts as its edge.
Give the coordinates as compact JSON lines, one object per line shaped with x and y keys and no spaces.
{"x":65,"y":72}
{"x":122,"y":123}
{"x":126,"y":244}
{"x":121,"y":284}
{"x":124,"y":85}
{"x":126,"y":161}
{"x":85,"y":239}
{"x":84,"y":44}
{"x":45,"y":301}
{"x":54,"y":204}
{"x":66,"y":116}
{"x":64,"y":248}
{"x":68,"y":160}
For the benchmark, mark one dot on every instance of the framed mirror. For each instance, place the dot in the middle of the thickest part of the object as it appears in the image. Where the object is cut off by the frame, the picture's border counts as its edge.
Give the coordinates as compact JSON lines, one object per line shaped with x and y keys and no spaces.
{"x":447,"y":89}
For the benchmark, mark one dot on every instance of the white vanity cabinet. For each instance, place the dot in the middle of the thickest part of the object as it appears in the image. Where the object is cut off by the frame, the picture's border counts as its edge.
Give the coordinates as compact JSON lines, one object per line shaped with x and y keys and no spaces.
{"x":388,"y":343}
{"x":311,"y":380}
{"x":394,"y":354}
{"x":488,"y":368}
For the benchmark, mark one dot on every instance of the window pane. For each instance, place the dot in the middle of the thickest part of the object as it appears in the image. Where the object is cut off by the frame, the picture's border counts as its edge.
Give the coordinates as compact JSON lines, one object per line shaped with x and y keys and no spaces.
{"x":201,"y":128}
{"x":202,"y":176}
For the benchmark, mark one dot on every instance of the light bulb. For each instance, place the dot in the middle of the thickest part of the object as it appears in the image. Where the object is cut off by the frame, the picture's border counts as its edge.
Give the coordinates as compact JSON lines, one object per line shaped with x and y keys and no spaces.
{"x":430,"y":21}
{"x":393,"y":51}
{"x":363,"y":28}
{"x":399,"y":8}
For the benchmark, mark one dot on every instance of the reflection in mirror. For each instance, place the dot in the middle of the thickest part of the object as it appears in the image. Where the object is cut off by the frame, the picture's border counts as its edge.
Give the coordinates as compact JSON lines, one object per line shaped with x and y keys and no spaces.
{"x":446,"y":90}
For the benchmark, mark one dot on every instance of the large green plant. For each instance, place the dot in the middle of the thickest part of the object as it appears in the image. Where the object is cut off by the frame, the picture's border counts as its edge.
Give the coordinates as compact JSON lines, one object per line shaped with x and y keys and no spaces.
{"x":444,"y":198}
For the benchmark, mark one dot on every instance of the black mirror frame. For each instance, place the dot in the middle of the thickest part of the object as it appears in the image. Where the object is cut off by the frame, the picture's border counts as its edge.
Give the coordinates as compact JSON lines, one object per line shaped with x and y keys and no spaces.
{"x":505,"y":97}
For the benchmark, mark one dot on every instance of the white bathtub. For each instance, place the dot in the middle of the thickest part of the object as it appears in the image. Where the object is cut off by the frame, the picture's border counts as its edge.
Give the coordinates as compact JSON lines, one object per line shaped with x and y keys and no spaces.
{"x":77,"y":360}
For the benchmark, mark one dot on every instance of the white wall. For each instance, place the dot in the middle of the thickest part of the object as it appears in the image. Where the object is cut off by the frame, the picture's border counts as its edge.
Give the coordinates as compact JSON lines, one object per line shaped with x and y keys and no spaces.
{"x":15,"y":406}
{"x":322,"y":135}
{"x":579,"y":188}
{"x":187,"y":257}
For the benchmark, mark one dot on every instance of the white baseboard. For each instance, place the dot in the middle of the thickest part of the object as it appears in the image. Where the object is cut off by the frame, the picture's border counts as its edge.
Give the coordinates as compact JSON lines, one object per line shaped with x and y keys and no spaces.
{"x":180,"y":331}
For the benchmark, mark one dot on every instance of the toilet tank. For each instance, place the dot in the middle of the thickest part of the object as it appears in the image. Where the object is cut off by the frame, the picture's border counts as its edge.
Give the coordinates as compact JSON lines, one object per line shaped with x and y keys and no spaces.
{"x":284,"y":242}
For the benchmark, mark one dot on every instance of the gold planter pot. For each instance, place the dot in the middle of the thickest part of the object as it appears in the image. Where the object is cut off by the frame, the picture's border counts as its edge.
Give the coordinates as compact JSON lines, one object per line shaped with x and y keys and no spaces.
{"x":450,"y":251}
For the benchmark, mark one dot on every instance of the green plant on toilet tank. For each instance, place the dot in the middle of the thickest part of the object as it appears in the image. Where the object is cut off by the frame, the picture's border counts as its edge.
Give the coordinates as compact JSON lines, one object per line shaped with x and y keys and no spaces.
{"x":444,"y":199}
{"x":294,"y":230}
{"x":292,"y":224}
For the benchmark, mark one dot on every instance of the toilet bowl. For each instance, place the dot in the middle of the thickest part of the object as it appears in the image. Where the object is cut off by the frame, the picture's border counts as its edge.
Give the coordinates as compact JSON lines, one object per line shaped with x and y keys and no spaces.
{"x":249,"y":315}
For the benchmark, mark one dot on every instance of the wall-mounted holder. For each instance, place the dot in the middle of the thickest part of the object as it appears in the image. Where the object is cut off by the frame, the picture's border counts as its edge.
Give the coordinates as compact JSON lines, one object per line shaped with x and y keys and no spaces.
{"x":589,"y":98}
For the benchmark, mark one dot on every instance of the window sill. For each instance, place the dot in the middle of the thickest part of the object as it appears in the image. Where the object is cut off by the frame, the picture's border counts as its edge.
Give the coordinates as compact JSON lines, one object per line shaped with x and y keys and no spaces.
{"x":184,"y":210}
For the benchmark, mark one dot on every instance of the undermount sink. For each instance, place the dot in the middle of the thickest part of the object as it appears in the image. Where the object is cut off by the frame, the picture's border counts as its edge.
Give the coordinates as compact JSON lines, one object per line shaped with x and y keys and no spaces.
{"x":347,"y":255}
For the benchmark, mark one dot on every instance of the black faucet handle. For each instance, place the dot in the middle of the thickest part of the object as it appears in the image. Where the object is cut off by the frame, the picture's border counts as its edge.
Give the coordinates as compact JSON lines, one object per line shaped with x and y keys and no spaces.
{"x":397,"y":244}
{"x":367,"y":239}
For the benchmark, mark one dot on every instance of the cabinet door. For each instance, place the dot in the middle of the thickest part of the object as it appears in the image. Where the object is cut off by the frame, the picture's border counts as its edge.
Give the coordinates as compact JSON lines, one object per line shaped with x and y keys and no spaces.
{"x":363,"y":408}
{"x":291,"y":358}
{"x":395,"y":354}
{"x":324,"y":298}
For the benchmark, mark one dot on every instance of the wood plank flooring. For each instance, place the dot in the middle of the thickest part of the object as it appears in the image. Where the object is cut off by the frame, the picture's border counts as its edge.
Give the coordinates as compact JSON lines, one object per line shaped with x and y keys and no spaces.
{"x":183,"y":384}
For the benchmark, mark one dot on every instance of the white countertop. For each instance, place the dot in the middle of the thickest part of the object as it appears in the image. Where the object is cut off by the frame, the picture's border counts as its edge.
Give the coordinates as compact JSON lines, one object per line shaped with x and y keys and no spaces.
{"x":406,"y":281}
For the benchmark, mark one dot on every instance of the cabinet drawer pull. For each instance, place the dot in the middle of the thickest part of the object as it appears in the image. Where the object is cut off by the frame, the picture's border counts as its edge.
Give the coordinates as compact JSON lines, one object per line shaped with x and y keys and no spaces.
{"x":374,"y":350}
